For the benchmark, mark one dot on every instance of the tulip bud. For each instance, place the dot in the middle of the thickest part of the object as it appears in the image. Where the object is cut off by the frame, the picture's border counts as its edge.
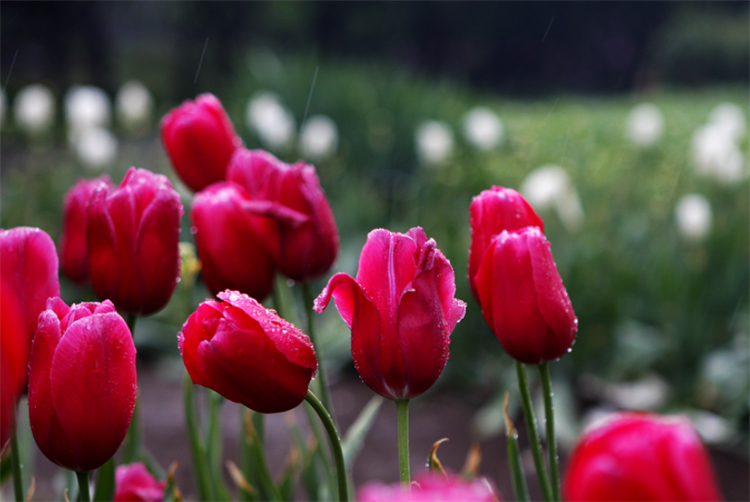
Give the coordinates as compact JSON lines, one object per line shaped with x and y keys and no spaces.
{"x":232,"y":241}
{"x":433,"y":487}
{"x":133,"y":482}
{"x":29,"y":265}
{"x":401,"y":311}
{"x":523,"y":298}
{"x":308,"y":240}
{"x":639,"y":456}
{"x":493,"y":211}
{"x":247,"y":353}
{"x":200,"y":140}
{"x":82,"y":383}
{"x":133,"y":236}
{"x":74,"y":259}
{"x":14,"y":359}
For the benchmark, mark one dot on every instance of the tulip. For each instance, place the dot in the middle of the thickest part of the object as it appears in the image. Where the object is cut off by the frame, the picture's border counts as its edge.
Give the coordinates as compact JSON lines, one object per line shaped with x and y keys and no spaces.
{"x":308,"y":240}
{"x":401,"y":310}
{"x":82,"y":383}
{"x":200,"y":140}
{"x":29,"y":264}
{"x":247,"y":353}
{"x":133,"y":236}
{"x":431,"y":487}
{"x":493,"y":211}
{"x":133,"y":482}
{"x":14,"y":359}
{"x":523,"y":298}
{"x":74,"y":259}
{"x":232,"y":241}
{"x":639,"y":456}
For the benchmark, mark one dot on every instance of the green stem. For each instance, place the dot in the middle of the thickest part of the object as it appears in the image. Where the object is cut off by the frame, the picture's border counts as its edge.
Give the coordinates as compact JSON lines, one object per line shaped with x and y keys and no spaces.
{"x":333,"y":436}
{"x":549,"y":415}
{"x":104,"y":489}
{"x":402,"y":411}
{"x":325,"y":393}
{"x":536,"y":447}
{"x":278,"y":302}
{"x":203,"y":479}
{"x":15,"y":459}
{"x":83,"y":486}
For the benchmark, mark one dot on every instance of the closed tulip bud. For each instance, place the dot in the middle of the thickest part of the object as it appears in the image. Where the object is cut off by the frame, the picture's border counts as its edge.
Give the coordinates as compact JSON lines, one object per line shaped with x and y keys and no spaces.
{"x":133,"y":482}
{"x":232,"y":241}
{"x":82,"y":383}
{"x":523,"y":298}
{"x":74,"y":259}
{"x":247,"y":353}
{"x":200,"y":140}
{"x":432,"y":487}
{"x":308,"y":240}
{"x":401,"y":310}
{"x":638,"y":456}
{"x":493,"y":211}
{"x":29,"y":265}
{"x":133,"y":237}
{"x":14,"y":359}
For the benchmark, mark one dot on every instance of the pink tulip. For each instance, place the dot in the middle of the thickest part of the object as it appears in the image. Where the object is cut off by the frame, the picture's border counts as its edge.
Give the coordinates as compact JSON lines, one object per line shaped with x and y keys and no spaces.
{"x":14,"y":359}
{"x":82,"y":383}
{"x":401,"y":310}
{"x":133,"y":482}
{"x":430,"y":487}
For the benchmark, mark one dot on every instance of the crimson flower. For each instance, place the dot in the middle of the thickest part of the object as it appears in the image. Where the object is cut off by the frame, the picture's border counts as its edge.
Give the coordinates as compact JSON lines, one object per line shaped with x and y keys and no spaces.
{"x":133,"y":482}
{"x":14,"y":359}
{"x":430,"y":487}
{"x":401,"y":310}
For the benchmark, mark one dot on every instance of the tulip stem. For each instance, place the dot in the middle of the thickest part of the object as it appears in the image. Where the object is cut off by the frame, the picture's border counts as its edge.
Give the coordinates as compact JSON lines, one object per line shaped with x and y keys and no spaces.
{"x":333,"y":436}
{"x":536,"y":447}
{"x":15,"y":460}
{"x":549,"y":415}
{"x":402,"y":411}
{"x":325,"y":394}
{"x":83,"y":485}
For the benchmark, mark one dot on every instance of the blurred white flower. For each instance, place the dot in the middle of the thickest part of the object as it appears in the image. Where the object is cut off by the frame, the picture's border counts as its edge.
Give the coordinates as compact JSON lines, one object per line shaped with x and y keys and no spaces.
{"x":273,"y":123}
{"x":134,"y":105}
{"x":648,"y":393}
{"x":96,"y":147}
{"x":434,"y":142}
{"x":319,"y":137}
{"x":549,"y":186}
{"x":2,"y":106}
{"x":483,"y":128}
{"x":86,"y":107}
{"x":715,"y":153}
{"x":694,"y":216}
{"x":731,"y":118}
{"x":712,"y":428}
{"x":34,"y":109}
{"x":645,"y":125}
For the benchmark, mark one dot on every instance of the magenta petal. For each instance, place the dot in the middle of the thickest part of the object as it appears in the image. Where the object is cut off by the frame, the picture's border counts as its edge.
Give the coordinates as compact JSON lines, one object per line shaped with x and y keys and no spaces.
{"x":101,"y":243}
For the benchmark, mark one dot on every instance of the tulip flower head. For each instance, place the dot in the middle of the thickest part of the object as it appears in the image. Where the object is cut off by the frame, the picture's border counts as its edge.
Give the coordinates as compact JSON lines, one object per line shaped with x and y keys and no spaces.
{"x":133,"y":482}
{"x":14,"y":359}
{"x":247,"y":353}
{"x":638,"y":456}
{"x":82,"y":383}
{"x":133,"y":236}
{"x":200,"y":140}
{"x":401,"y":310}
{"x":430,"y":487}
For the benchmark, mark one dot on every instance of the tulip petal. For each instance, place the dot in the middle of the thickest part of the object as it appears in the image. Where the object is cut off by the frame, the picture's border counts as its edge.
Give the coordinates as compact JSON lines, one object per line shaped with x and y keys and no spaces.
{"x":193,"y":333}
{"x":102,"y":246}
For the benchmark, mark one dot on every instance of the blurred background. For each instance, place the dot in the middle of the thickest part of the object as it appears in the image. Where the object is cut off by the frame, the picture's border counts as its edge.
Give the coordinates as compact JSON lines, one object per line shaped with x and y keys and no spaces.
{"x":623,"y":123}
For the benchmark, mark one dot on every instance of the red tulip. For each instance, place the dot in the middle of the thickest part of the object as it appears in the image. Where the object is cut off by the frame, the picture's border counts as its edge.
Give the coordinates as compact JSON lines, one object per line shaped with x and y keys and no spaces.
{"x":74,"y":259}
{"x":493,"y":211}
{"x":638,"y":456}
{"x":82,"y":383}
{"x":401,"y":311}
{"x":430,"y":487}
{"x":29,"y":265}
{"x":200,"y":140}
{"x":247,"y":353}
{"x":133,"y":236}
{"x":232,"y":241}
{"x":133,"y":482}
{"x":523,"y":298}
{"x":308,"y":240}
{"x":14,"y":359}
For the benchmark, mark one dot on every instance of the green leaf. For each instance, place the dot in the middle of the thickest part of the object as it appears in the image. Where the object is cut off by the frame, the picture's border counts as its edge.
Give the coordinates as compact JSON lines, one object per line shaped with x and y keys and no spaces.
{"x":355,"y":435}
{"x":105,"y":482}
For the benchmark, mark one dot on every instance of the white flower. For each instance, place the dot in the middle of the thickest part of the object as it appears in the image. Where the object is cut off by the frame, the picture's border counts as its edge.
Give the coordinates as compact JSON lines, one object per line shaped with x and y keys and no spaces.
{"x":273,"y":123}
{"x":483,"y":128}
{"x":549,"y":186}
{"x":694,"y":216}
{"x":319,"y":137}
{"x":96,"y":147}
{"x":134,"y":105}
{"x":86,"y":107}
{"x":645,"y":125}
{"x":34,"y":109}
{"x":434,"y":142}
{"x":714,"y":153}
{"x":731,"y":119}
